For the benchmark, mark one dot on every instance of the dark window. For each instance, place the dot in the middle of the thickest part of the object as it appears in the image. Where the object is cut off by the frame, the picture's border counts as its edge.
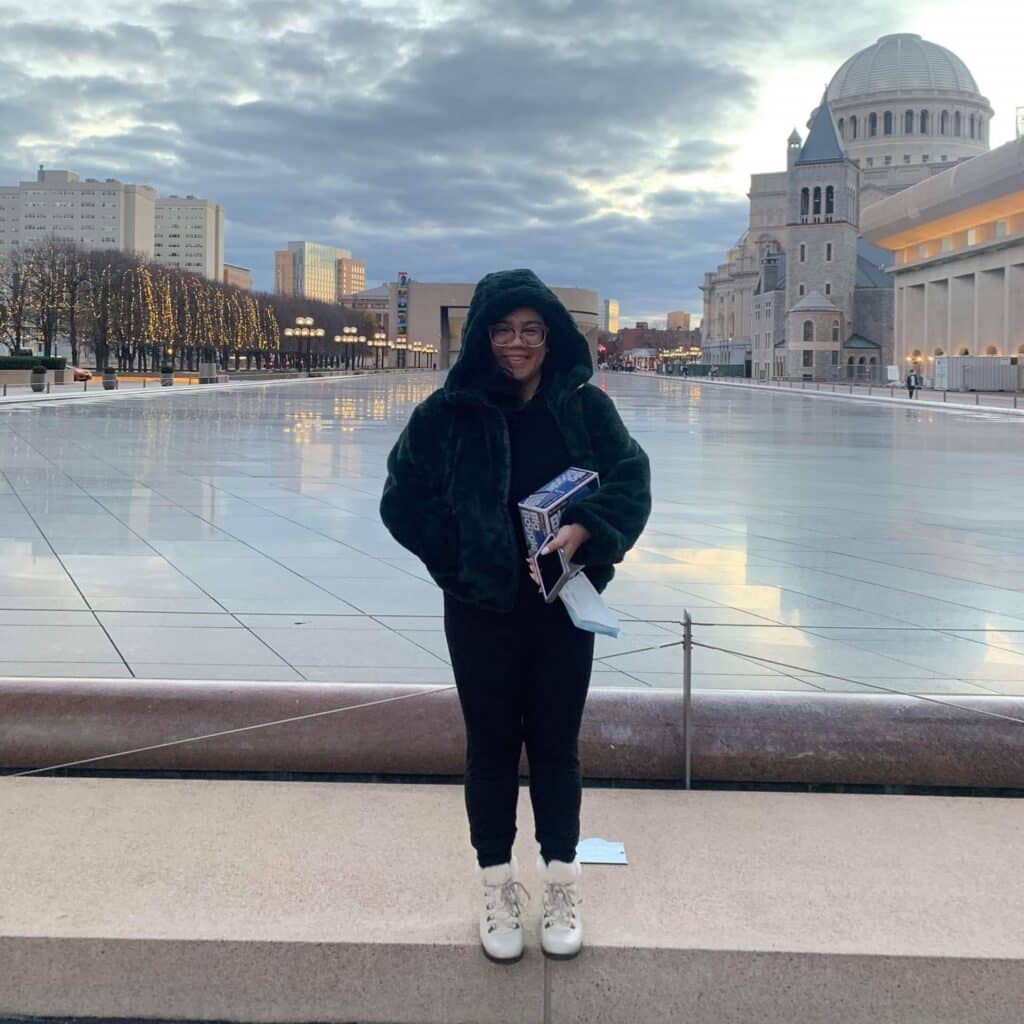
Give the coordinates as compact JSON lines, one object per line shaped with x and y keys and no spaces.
{"x":828,"y":252}
{"x":908,"y":123}
{"x":872,"y":125}
{"x":958,"y":124}
{"x":944,"y":123}
{"x":830,"y":200}
{"x":805,"y":202}
{"x":808,"y":336}
{"x":853,"y":127}
{"x":808,"y":357}
{"x":817,"y":200}
{"x":835,"y":330}
{"x":887,"y":122}
{"x":924,"y":122}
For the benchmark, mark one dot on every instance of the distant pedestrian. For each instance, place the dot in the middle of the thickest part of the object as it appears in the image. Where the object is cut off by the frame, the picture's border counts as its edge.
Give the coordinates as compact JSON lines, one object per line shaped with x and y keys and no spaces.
{"x":913,"y":383}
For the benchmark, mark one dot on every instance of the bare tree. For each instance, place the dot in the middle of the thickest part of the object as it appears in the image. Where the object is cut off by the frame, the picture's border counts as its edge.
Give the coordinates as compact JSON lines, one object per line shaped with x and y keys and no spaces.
{"x":14,"y":295}
{"x":47,"y":291}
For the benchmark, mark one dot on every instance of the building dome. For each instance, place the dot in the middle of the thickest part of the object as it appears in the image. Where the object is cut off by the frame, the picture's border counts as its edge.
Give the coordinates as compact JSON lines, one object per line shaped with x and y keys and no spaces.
{"x":901,"y":63}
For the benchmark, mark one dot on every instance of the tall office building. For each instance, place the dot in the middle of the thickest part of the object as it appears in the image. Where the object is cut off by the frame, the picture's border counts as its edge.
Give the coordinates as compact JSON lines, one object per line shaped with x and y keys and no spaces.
{"x":188,"y":233}
{"x":92,"y":213}
{"x":677,"y":320}
{"x":610,"y":316}
{"x":351,"y":276}
{"x":311,"y":270}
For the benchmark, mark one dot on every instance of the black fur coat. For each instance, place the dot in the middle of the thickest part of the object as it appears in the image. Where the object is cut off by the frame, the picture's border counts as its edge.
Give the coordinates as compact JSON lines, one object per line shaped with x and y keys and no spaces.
{"x":446,"y":495}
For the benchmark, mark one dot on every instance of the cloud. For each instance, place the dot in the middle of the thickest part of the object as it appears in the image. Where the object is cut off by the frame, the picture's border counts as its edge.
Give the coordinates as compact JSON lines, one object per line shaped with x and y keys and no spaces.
{"x":446,"y":139}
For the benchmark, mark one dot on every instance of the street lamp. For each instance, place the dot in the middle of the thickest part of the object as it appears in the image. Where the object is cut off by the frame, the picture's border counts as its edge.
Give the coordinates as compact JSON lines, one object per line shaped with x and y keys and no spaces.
{"x":349,"y":338}
{"x":304,"y":329}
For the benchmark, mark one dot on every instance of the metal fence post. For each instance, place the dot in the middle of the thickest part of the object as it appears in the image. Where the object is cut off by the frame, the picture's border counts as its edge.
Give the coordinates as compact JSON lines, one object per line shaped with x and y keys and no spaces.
{"x":687,"y":693}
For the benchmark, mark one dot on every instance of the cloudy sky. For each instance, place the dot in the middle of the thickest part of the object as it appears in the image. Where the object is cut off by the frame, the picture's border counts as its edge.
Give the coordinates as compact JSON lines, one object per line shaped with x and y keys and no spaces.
{"x":605,"y":143}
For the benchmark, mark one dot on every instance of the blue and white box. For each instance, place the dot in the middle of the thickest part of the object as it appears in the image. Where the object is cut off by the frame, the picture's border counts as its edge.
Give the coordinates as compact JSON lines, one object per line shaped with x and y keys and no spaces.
{"x":542,"y":511}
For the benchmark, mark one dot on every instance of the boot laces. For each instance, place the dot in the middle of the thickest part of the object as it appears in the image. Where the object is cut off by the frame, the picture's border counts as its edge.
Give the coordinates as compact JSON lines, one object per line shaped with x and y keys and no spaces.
{"x":560,"y":902}
{"x":501,"y":903}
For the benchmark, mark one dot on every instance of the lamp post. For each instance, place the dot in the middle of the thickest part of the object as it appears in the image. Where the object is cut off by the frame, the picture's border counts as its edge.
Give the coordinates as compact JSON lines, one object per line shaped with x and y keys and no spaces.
{"x":304,"y":329}
{"x":349,"y":339}
{"x":379,"y":343}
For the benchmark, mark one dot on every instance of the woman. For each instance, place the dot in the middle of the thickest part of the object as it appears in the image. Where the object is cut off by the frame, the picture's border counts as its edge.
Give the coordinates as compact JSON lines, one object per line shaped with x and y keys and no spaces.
{"x":515,"y":411}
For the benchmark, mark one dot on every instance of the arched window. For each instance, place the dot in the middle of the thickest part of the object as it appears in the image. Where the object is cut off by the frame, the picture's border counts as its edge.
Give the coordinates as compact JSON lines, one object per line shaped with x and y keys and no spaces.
{"x":830,"y":201}
{"x":862,"y":361}
{"x":872,"y":125}
{"x":817,"y":200}
{"x":808,"y":330}
{"x":872,"y":361}
{"x":887,"y":122}
{"x":944,"y":123}
{"x":908,"y":123}
{"x":835,"y":330}
{"x":805,"y":202}
{"x":842,"y":128}
{"x":924,"y":122}
{"x":970,"y":126}
{"x":957,"y":124}
{"x":991,"y":351}
{"x":853,"y":126}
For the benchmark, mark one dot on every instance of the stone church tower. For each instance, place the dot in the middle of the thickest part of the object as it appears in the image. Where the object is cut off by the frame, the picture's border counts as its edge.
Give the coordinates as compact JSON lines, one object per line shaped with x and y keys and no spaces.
{"x":822,"y":196}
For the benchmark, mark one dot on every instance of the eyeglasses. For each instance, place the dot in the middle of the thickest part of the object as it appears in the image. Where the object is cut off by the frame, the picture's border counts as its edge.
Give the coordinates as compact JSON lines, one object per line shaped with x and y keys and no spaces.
{"x":533,"y":335}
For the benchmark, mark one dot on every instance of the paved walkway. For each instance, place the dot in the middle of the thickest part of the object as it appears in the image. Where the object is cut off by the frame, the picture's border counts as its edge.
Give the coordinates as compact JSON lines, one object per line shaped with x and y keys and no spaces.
{"x":232,"y":532}
{"x":277,"y":901}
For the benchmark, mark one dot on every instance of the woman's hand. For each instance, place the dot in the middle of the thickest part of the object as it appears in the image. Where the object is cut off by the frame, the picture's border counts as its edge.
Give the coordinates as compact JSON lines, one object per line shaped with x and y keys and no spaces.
{"x":569,"y":538}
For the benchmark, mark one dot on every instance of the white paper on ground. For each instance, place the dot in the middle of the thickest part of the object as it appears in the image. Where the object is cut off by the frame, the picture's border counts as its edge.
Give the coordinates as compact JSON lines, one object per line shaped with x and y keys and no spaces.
{"x":601,"y":851}
{"x":587,"y":609}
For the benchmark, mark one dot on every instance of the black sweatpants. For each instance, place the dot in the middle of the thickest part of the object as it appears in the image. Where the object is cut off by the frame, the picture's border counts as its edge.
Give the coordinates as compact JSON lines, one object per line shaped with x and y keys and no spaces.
{"x":522,"y":677}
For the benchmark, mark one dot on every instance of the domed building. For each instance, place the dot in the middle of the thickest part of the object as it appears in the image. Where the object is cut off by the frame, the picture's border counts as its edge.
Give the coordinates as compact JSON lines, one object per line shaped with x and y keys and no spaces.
{"x":800,"y":294}
{"x":904,"y":107}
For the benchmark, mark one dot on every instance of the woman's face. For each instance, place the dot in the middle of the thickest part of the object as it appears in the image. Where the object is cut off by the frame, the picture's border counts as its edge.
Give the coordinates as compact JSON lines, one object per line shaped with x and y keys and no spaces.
{"x":522,"y":361}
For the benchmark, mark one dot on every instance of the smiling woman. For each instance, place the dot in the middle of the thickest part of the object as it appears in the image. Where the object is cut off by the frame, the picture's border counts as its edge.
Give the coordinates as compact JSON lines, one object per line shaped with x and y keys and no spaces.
{"x":515,"y":412}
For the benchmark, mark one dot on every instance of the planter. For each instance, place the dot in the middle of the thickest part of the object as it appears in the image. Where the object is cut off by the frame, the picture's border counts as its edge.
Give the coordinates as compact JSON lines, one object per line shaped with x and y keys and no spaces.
{"x":38,"y":380}
{"x":166,"y":379}
{"x":109,"y":380}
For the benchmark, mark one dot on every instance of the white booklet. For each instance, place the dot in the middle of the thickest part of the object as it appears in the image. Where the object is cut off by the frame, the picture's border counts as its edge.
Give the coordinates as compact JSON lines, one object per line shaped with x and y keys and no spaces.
{"x":586,"y":607}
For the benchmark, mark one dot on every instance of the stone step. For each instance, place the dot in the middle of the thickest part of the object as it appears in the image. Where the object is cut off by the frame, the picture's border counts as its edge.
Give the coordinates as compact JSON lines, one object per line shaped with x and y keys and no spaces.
{"x":341,"y":902}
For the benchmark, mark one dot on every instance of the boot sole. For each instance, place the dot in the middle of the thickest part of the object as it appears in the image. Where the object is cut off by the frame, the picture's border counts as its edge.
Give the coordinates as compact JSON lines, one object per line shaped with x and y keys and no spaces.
{"x":561,"y":956}
{"x":502,"y":960}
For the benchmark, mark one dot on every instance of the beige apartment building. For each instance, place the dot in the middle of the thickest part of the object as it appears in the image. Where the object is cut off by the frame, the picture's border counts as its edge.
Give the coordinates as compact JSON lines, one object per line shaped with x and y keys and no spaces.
{"x":958,"y":241}
{"x":94,"y":214}
{"x":677,"y":320}
{"x":188,"y":234}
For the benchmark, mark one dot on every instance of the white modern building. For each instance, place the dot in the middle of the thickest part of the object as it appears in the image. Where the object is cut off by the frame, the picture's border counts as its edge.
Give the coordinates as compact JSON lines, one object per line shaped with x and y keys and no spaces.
{"x":188,"y":233}
{"x":958,"y":241}
{"x":94,"y":214}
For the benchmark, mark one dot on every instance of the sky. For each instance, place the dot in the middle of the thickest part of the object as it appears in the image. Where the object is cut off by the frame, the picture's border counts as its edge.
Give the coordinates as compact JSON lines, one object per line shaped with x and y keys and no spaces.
{"x":607,"y":144}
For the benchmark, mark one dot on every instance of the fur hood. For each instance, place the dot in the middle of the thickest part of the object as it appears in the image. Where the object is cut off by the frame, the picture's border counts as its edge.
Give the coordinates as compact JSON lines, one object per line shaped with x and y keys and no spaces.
{"x":568,"y":363}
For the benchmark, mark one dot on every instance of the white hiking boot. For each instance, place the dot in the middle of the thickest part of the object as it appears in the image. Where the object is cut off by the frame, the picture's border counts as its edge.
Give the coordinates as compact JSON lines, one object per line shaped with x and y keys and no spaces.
{"x":561,"y":928}
{"x":501,"y":919}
